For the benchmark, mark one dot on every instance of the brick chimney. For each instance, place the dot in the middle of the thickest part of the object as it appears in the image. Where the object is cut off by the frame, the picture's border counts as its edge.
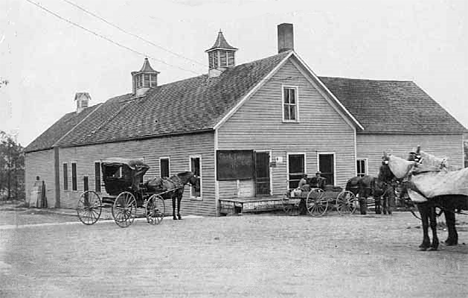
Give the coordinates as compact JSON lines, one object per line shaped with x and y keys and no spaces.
{"x":285,"y":37}
{"x":82,"y":101}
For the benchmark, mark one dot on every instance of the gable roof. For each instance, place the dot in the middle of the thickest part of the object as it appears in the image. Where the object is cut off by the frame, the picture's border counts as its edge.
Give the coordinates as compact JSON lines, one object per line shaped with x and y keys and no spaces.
{"x":188,"y":106}
{"x":202,"y":103}
{"x":384,"y":107}
{"x":59,"y":129}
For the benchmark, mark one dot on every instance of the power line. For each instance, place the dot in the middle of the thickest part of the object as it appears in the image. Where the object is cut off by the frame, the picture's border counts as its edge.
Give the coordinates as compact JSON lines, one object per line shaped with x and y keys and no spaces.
{"x":104,"y":37}
{"x":130,"y":33}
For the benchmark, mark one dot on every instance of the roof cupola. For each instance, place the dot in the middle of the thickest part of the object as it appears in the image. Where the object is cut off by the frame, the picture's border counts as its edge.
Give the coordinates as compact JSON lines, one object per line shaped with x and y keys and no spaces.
{"x":144,"y":79}
{"x":220,"y":56}
{"x":82,"y":101}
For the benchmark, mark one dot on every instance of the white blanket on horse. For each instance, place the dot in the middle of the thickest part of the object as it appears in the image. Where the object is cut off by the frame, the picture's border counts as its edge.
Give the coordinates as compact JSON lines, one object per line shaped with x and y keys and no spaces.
{"x":399,"y":166}
{"x":443,"y":182}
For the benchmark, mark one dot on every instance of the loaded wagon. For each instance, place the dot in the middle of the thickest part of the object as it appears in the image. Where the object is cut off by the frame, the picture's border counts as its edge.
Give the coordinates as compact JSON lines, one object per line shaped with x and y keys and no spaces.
{"x":318,"y":201}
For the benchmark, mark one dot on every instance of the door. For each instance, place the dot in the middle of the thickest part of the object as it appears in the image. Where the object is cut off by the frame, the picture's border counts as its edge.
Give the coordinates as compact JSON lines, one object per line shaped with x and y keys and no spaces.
{"x":296,"y":169}
{"x":262,"y":173}
{"x":327,"y":167}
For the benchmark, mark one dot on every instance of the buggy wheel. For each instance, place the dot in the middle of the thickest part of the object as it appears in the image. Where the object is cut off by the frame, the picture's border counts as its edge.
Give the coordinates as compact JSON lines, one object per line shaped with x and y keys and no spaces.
{"x":89,"y":207}
{"x":124,"y":209}
{"x":155,"y":209}
{"x":316,"y":204}
{"x":346,"y":202}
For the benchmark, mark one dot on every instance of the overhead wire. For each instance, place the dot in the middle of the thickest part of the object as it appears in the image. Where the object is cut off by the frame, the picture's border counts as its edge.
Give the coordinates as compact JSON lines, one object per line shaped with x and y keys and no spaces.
{"x":130,"y":33}
{"x":106,"y":38}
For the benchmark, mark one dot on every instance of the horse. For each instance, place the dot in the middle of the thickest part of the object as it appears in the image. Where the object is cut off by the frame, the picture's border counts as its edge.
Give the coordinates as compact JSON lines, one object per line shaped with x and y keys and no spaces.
{"x":173,"y":188}
{"x":362,"y":187}
{"x":404,"y":169}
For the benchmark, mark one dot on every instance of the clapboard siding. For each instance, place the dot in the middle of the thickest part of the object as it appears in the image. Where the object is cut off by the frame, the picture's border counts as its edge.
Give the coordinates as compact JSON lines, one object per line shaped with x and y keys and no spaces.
{"x":258,"y":125}
{"x":40,"y":163}
{"x":373,"y":146}
{"x":177,"y":148}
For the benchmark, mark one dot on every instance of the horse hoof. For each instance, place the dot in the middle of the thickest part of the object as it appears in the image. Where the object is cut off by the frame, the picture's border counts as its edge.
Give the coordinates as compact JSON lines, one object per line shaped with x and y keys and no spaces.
{"x":432,"y":249}
{"x":450,"y":243}
{"x":422,"y":248}
{"x":174,"y":218}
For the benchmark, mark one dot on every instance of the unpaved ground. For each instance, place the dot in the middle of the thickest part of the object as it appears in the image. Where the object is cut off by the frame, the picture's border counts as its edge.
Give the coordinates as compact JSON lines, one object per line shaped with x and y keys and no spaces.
{"x":241,"y":256}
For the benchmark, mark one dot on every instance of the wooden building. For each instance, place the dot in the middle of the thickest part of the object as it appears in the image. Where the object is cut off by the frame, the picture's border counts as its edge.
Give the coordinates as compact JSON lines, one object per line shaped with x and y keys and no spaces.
{"x":247,"y":130}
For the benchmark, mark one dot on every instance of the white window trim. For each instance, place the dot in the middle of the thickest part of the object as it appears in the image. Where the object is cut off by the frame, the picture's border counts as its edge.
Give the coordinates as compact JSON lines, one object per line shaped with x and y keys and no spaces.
{"x":287,"y":164}
{"x":297,"y":103}
{"x":334,"y":162}
{"x":366,"y":164}
{"x":169,"y":164}
{"x":192,"y":197}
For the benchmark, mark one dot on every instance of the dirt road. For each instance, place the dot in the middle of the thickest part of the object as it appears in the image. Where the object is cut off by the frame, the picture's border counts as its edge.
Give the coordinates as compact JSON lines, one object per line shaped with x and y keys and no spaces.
{"x":239,"y":256}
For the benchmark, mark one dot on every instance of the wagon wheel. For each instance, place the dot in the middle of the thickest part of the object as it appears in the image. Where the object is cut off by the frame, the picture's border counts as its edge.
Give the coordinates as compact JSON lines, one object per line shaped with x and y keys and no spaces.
{"x":124,"y":209}
{"x":155,"y":209}
{"x":289,"y":204}
{"x":89,"y":207}
{"x":317,"y":205}
{"x":346,"y":202}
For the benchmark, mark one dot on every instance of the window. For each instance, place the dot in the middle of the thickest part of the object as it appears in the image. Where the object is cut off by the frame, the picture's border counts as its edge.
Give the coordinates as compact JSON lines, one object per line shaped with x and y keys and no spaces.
{"x":290,"y":107}
{"x":213,"y":60}
{"x":138,"y":81}
{"x":74,"y":178}
{"x":223,"y":58}
{"x":296,"y":169}
{"x":97,"y":176}
{"x":195,"y":167}
{"x":65,"y":176}
{"x":153,"y":80}
{"x":164,"y":167}
{"x":361,"y":167}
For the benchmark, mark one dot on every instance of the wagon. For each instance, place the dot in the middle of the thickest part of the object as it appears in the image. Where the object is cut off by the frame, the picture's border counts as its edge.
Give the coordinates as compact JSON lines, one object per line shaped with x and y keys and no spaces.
{"x":318,"y":202}
{"x":125,"y":193}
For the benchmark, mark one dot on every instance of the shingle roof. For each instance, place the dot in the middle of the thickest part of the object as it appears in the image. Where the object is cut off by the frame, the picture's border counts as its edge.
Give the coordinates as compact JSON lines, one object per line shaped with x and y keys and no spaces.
{"x":60,"y":128}
{"x":188,"y":106}
{"x":146,"y":68}
{"x":392,"y":107}
{"x":198,"y":104}
{"x":221,"y":43}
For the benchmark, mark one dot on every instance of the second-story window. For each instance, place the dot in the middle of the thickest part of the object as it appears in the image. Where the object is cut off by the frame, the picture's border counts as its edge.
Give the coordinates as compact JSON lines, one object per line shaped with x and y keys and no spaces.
{"x":290,"y":104}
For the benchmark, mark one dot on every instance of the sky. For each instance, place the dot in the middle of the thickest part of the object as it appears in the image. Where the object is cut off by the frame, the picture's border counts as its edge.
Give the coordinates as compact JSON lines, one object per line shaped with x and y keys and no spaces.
{"x":51,"y":52}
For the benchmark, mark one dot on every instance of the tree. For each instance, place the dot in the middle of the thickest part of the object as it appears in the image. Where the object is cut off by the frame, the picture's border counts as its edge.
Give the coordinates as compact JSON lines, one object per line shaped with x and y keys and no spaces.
{"x":3,"y":82}
{"x":11,"y":168}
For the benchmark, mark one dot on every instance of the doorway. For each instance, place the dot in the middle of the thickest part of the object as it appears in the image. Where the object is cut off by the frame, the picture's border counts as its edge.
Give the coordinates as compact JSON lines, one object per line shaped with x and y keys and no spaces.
{"x":262,"y":174}
{"x":326,"y":162}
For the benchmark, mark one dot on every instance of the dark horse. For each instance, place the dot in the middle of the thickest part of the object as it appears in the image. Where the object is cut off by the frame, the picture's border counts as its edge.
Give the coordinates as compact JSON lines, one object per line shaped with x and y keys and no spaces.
{"x":426,"y":206}
{"x":362,"y":187}
{"x":173,"y":188}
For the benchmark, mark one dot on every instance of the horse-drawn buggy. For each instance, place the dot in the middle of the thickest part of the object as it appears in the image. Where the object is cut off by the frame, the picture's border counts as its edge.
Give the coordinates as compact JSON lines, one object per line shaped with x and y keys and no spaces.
{"x":125,"y":193}
{"x":318,"y":201}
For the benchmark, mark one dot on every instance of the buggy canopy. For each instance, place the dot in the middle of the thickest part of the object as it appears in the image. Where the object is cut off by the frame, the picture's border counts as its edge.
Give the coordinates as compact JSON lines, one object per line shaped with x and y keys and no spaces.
{"x":134,"y":164}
